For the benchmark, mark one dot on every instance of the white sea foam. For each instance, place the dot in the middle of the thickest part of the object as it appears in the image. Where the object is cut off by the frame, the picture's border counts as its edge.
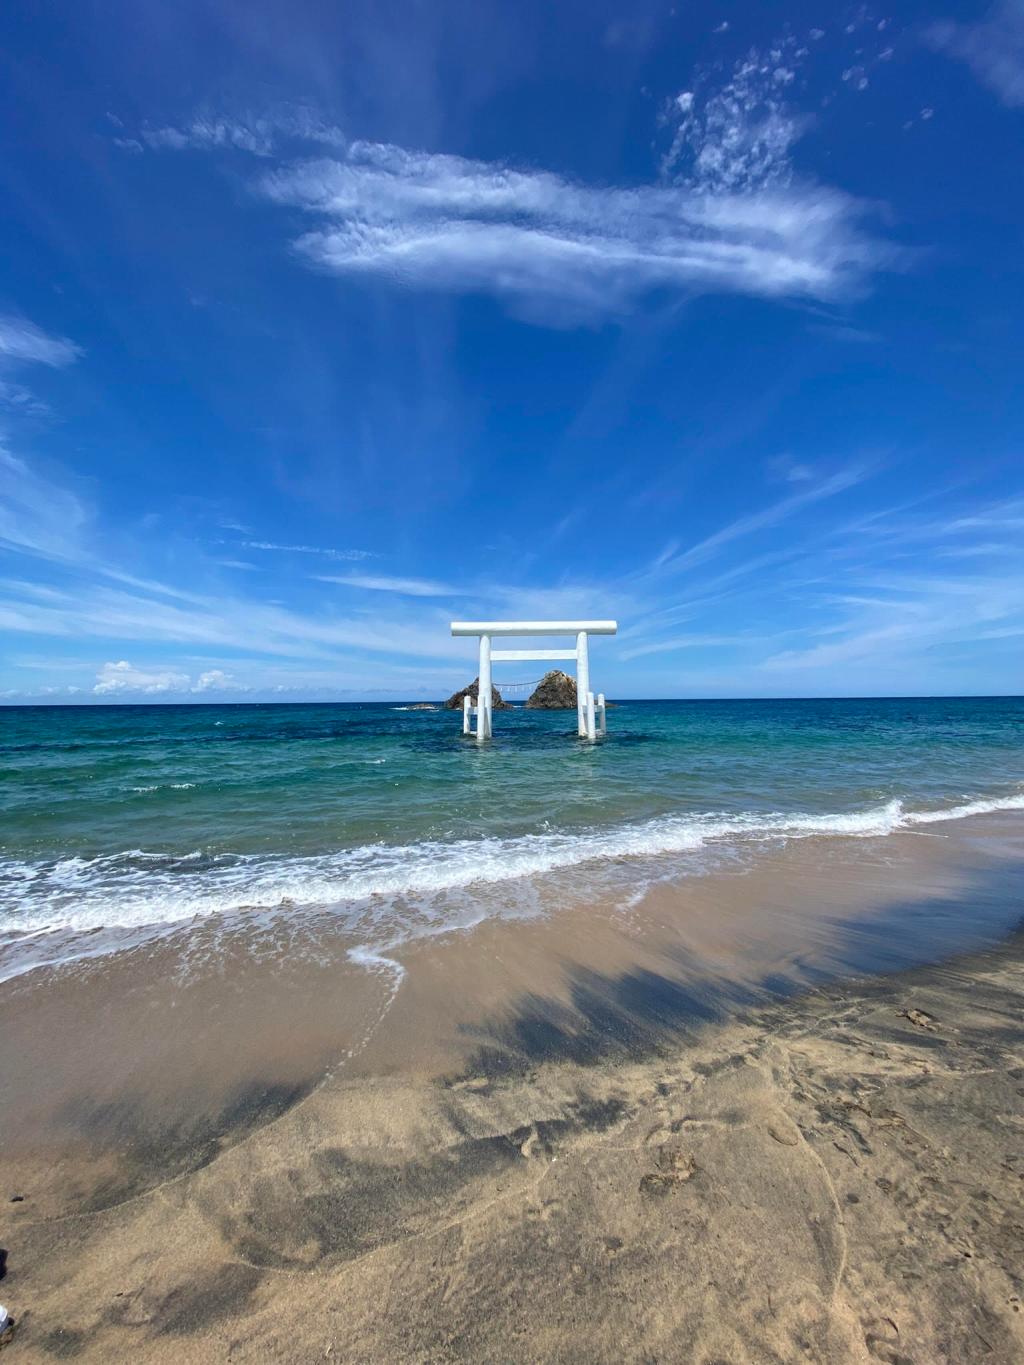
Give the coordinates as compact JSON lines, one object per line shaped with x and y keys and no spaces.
{"x":164,"y":786}
{"x":373,"y":961}
{"x":135,"y":888}
{"x":969,"y":808}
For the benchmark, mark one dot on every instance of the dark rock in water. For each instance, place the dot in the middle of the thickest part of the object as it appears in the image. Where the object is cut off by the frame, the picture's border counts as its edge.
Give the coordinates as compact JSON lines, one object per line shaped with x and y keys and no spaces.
{"x":422,"y":706}
{"x":556,"y":691}
{"x":498,"y":703}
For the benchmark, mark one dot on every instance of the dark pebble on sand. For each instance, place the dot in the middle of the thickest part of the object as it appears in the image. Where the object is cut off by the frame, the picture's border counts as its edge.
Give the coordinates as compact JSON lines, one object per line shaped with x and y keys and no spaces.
{"x":17,"y":1199}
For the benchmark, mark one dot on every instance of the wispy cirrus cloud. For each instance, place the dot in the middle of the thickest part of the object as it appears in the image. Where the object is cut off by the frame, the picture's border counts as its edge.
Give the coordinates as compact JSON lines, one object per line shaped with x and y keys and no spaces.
{"x":447,"y":222}
{"x":328,"y":552}
{"x":404,"y":587}
{"x":762,"y":519}
{"x":903,"y":592}
{"x":260,"y":134}
{"x":90,"y":610}
{"x":37,"y":516}
{"x":696,"y":640}
{"x":25,"y":343}
{"x":899,"y":616}
{"x":891,"y":595}
{"x":558,"y":250}
{"x":22,"y":344}
{"x":993,"y":48}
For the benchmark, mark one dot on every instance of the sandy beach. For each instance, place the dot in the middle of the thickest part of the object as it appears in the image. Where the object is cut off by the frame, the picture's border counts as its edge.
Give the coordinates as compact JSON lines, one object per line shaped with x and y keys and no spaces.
{"x":693,"y":1132}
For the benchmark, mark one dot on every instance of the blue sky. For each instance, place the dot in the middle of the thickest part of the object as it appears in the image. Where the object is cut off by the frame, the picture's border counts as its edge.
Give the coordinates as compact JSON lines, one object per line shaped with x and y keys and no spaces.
{"x":321,"y":325}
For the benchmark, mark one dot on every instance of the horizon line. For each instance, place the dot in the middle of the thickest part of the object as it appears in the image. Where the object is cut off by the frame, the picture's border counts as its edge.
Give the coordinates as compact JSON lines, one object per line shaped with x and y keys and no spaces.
{"x":431,"y":701}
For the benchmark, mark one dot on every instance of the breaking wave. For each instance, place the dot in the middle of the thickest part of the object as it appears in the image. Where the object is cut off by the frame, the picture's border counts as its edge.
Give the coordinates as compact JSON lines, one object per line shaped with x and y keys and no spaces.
{"x":135,"y":888}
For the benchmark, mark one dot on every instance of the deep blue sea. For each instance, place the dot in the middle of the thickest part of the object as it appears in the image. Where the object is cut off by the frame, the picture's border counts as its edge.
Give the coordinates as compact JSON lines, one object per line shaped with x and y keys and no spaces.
{"x":133,"y":816}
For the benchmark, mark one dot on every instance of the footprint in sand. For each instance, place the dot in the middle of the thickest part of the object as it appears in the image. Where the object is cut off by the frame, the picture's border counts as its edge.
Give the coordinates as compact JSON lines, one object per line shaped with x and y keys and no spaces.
{"x":675,"y":1167}
{"x":920,"y":1018}
{"x":788,"y":1137}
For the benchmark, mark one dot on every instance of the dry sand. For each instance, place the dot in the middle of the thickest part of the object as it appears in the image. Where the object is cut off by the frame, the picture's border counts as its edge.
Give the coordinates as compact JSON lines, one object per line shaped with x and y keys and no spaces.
{"x":589,"y":1140}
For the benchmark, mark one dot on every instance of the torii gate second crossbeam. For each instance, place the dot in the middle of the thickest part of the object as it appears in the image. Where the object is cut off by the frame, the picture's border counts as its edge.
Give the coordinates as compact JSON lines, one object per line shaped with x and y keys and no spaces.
{"x":587,"y":706}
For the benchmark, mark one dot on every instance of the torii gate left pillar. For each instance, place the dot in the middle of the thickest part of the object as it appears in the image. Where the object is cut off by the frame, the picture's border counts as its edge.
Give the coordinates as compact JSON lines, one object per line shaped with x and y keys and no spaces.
{"x":484,"y":699}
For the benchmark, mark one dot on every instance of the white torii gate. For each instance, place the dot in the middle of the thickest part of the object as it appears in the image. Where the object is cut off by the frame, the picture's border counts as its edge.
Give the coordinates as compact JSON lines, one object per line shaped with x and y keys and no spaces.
{"x":588,"y":708}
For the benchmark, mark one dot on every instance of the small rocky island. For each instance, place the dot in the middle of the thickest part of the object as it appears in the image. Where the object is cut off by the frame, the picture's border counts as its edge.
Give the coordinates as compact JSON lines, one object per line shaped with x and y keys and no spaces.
{"x":498,"y":703}
{"x":556,"y":691}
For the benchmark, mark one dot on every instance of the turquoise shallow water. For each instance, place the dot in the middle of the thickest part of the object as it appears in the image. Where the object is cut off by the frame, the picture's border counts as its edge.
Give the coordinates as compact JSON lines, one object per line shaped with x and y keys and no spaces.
{"x":148,"y":815}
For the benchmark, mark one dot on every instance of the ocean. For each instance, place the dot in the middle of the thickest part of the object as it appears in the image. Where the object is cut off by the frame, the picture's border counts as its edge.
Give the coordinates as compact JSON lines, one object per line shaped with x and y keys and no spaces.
{"x":117,"y":822}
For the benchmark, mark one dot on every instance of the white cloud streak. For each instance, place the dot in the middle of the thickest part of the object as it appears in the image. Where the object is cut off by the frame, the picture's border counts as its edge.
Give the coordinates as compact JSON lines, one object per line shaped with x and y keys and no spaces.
{"x":914,"y":612}
{"x":37,"y":516}
{"x":764,"y":518}
{"x":404,"y":587}
{"x":578,"y":251}
{"x":259,"y":134}
{"x":236,"y":623}
{"x":993,"y":48}
{"x":23,"y":342}
{"x":327,"y":552}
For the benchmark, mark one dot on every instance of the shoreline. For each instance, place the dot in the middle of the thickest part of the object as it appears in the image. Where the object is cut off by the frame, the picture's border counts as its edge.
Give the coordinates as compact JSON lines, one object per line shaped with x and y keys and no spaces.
{"x":156,"y":897}
{"x":592,"y":1139}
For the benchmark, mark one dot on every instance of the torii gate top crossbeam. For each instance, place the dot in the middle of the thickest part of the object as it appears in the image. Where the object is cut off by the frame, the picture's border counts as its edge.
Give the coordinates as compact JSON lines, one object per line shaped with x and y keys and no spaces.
{"x":534,"y":627}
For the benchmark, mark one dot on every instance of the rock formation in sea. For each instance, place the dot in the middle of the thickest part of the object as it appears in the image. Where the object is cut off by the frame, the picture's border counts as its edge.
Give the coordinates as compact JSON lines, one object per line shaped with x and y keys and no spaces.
{"x":498,"y":703}
{"x":556,"y":691}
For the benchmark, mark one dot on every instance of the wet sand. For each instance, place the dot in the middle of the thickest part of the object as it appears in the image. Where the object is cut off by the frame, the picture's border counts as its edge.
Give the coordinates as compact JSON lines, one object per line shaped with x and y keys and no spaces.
{"x":690,"y":1130}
